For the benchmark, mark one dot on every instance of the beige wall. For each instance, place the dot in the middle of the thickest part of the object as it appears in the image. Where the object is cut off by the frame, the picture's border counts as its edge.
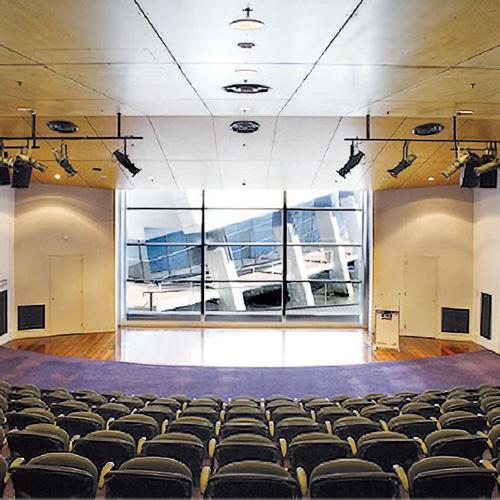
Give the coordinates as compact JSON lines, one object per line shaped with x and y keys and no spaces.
{"x":7,"y":251}
{"x":53,"y":220}
{"x":434,"y":221}
{"x":487,"y":259}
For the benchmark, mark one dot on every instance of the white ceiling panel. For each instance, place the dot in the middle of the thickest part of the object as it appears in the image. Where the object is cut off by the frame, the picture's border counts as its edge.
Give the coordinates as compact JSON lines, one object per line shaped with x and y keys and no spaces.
{"x":417,"y":32}
{"x":295,"y":31}
{"x":186,"y":138}
{"x":245,"y":107}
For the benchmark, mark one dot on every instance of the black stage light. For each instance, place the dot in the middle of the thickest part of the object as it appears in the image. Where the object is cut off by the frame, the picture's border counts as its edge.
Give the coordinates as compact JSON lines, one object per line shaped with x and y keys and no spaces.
{"x":405,"y":162}
{"x":354,"y":159}
{"x":4,"y":167}
{"x":126,"y":162}
{"x":29,"y":162}
{"x":61,"y":156}
{"x":457,"y":164}
{"x":21,"y":173}
{"x":489,"y":160}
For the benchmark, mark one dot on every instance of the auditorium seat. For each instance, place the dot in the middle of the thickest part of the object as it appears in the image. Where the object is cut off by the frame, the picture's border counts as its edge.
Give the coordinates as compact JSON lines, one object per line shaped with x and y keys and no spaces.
{"x":463,"y":420}
{"x":55,"y":475}
{"x":425,"y":409}
{"x":187,"y":448}
{"x":149,"y":477}
{"x":354,"y":427}
{"x":26,"y":402}
{"x":131,"y":402}
{"x":56,"y":396}
{"x":244,"y":412}
{"x":3,"y":475}
{"x":412,"y":425}
{"x":21,"y":419}
{"x":171,"y":403}
{"x":91,"y":397}
{"x":138,"y":426}
{"x":460,"y":404}
{"x":200,"y":427}
{"x":69,"y":406}
{"x":332,"y":413}
{"x":494,"y":440}
{"x":456,"y":442}
{"x":448,"y":477}
{"x":288,"y":428}
{"x":356,"y":403}
{"x":81,"y":423}
{"x":249,"y":479}
{"x":242,"y":426}
{"x":377,"y":412}
{"x":37,"y":439}
{"x":245,"y":447}
{"x":351,"y":478}
{"x":162,"y":414}
{"x":112,"y":410}
{"x":207,"y":412}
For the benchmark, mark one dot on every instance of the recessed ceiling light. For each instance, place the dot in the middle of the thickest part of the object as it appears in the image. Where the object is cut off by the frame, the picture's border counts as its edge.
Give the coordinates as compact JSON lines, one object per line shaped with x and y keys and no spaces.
{"x":465,"y":112}
{"x":246,"y":88}
{"x":104,"y":176}
{"x":247,"y":23}
{"x":57,"y":177}
{"x":245,"y":70}
{"x":430,"y":179}
{"x":245,"y":110}
{"x":246,"y":45}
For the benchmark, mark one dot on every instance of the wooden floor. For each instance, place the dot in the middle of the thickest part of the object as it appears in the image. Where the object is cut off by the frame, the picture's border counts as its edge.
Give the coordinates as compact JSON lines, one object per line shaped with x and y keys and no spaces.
{"x":144,"y":346}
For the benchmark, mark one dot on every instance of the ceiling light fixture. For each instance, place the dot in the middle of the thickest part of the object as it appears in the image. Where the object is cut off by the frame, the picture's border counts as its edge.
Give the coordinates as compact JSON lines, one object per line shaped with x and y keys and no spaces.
{"x":465,"y":112}
{"x":57,"y":177}
{"x":405,"y":162}
{"x":62,"y":158}
{"x":62,"y":126}
{"x":246,"y":88}
{"x":245,"y":126}
{"x":354,"y":159}
{"x":246,"y":45}
{"x":23,"y":109}
{"x":457,"y":164}
{"x":428,"y":129}
{"x":126,"y":162}
{"x":489,"y":160}
{"x":245,"y":70}
{"x":430,"y":179}
{"x":247,"y":23}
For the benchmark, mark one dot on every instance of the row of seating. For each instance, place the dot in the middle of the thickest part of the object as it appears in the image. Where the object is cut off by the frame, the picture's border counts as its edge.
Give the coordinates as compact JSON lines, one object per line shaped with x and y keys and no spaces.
{"x":145,"y":445}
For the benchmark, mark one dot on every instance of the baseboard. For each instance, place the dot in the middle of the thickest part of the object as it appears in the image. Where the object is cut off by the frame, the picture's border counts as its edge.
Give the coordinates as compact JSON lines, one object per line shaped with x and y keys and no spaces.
{"x":6,"y":338}
{"x":30,"y":334}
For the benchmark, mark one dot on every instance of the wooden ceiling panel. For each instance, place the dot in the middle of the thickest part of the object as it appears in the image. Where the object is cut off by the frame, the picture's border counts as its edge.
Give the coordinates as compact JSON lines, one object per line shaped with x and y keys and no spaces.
{"x":417,"y":33}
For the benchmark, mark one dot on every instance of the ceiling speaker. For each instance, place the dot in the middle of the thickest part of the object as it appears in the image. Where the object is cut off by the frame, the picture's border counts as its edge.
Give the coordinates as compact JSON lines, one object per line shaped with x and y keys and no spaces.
{"x":246,"y":88}
{"x":245,"y":126}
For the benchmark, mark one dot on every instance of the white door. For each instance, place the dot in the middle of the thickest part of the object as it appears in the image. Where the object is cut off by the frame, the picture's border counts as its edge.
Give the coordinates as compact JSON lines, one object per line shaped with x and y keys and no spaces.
{"x":420,"y":312}
{"x":66,"y":294}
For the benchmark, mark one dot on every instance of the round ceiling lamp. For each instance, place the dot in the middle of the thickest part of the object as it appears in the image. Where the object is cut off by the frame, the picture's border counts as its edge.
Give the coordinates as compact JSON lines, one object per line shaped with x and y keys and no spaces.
{"x":428,"y":129}
{"x":246,"y":45}
{"x":62,"y":126}
{"x":246,"y":88}
{"x":245,"y":126}
{"x":247,"y":23}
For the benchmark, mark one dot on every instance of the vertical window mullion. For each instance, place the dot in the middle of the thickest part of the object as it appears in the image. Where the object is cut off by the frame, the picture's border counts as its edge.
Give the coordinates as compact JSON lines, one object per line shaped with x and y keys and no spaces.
{"x":284,"y":265}
{"x":202,"y":284}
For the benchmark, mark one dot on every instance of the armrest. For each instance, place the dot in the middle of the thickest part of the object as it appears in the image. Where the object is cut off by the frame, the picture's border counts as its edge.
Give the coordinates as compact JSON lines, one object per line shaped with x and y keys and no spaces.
{"x":283,"y":447}
{"x":403,"y":478}
{"x":328,"y":427}
{"x":422,"y":445}
{"x":218,"y":425}
{"x":211,"y":447}
{"x":383,"y":424}
{"x":302,"y":480}
{"x":72,"y":441}
{"x":104,"y":471}
{"x":164,"y":426}
{"x":268,"y":415}
{"x":352,"y":444}
{"x":271,"y":428}
{"x":140,"y":444}
{"x":109,"y":422}
{"x":222,"y":414}
{"x":204,"y":478}
{"x":313,"y":415}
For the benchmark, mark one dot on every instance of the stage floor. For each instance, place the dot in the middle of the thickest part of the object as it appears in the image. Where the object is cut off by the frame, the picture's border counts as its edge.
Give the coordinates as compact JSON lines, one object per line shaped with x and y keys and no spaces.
{"x":277,"y":347}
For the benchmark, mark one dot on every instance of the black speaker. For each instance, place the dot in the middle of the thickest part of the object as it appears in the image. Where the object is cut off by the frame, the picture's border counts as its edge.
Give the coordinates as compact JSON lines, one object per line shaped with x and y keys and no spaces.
{"x":488,"y":179}
{"x":3,"y":312}
{"x":4,"y":176}
{"x":468,"y":178}
{"x":485,"y":326}
{"x":31,"y":317}
{"x":21,"y":176}
{"x":454,"y":320}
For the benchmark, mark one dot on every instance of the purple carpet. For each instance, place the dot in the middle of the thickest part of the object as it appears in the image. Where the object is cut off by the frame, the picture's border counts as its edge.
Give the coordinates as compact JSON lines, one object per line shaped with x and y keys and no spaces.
{"x":441,"y":372}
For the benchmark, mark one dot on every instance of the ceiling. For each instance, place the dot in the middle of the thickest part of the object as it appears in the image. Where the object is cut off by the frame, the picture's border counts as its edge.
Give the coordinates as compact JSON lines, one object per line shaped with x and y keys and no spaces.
{"x":162,"y":64}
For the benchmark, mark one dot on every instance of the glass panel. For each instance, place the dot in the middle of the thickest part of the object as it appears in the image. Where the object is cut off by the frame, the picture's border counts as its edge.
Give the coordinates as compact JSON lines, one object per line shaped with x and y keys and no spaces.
{"x":242,"y":297}
{"x":325,"y":226}
{"x":248,"y":198}
{"x":247,"y":262}
{"x":179,"y":296}
{"x":319,"y":199}
{"x":342,"y":263}
{"x":163,"y":226}
{"x":157,"y":263}
{"x":163,"y":199}
{"x":317,"y":298}
{"x":243,"y":226}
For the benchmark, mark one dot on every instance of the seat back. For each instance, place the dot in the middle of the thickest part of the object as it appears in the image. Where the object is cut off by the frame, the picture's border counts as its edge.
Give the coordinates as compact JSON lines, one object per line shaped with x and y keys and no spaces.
{"x":81,"y":423}
{"x":200,"y":427}
{"x":37,"y":439}
{"x":354,"y":427}
{"x":291,"y":427}
{"x":243,"y":426}
{"x":246,"y":447}
{"x":137,"y":426}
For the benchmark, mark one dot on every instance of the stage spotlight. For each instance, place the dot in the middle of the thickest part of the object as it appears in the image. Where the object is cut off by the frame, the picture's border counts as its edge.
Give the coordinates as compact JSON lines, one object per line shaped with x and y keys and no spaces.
{"x":354,"y":159}
{"x":405,"y":162}
{"x":28,"y":161}
{"x":489,"y":160}
{"x":21,"y":173}
{"x":126,"y":162}
{"x":61,"y":156}
{"x":457,"y":164}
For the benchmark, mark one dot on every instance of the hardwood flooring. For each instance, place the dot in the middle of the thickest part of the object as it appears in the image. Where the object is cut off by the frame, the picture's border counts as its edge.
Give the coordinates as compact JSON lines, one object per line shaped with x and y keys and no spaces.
{"x":218,"y":348}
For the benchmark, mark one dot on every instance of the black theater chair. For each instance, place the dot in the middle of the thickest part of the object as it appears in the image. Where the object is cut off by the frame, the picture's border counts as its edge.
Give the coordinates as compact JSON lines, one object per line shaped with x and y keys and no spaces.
{"x":55,"y":475}
{"x":245,"y":447}
{"x":187,"y":448}
{"x":412,"y":425}
{"x":112,"y":410}
{"x":56,"y":396}
{"x":387,"y":449}
{"x":284,"y":412}
{"x":150,"y":477}
{"x":494,"y":441}
{"x":70,"y":406}
{"x":352,"y":478}
{"x":3,"y":474}
{"x":493,"y":417}
{"x":463,"y":420}
{"x":377,"y":412}
{"x":111,"y":396}
{"x":138,"y":426}
{"x":278,"y":397}
{"x":291,"y":427}
{"x":249,"y":479}
{"x":489,"y":403}
{"x":171,"y":403}
{"x":146,"y":397}
{"x":24,"y":390}
{"x":393,"y":401}
{"x":206,"y":402}
{"x":356,"y":403}
{"x":460,"y":404}
{"x":90,"y":397}
{"x":200,"y":427}
{"x":208,"y":412}
{"x":244,"y":426}
{"x":354,"y":427}
{"x":106,"y":449}
{"x":37,"y":439}
{"x":308,"y":397}
{"x":424,"y":409}
{"x":4,"y":404}
{"x":162,"y":414}
{"x":447,"y":477}
{"x":182,"y":399}
{"x":21,"y":419}
{"x":433,"y":397}
{"x":5,"y":387}
{"x":456,"y":442}
{"x":233,"y":412}
{"x":81,"y":423}
{"x":273,"y":404}
{"x":310,"y":449}
{"x":244,"y":401}
{"x":213,"y":397}
{"x":316,"y":404}
{"x":131,"y":402}
{"x":26,"y":402}
{"x":338,"y":399}
{"x":331,"y":414}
